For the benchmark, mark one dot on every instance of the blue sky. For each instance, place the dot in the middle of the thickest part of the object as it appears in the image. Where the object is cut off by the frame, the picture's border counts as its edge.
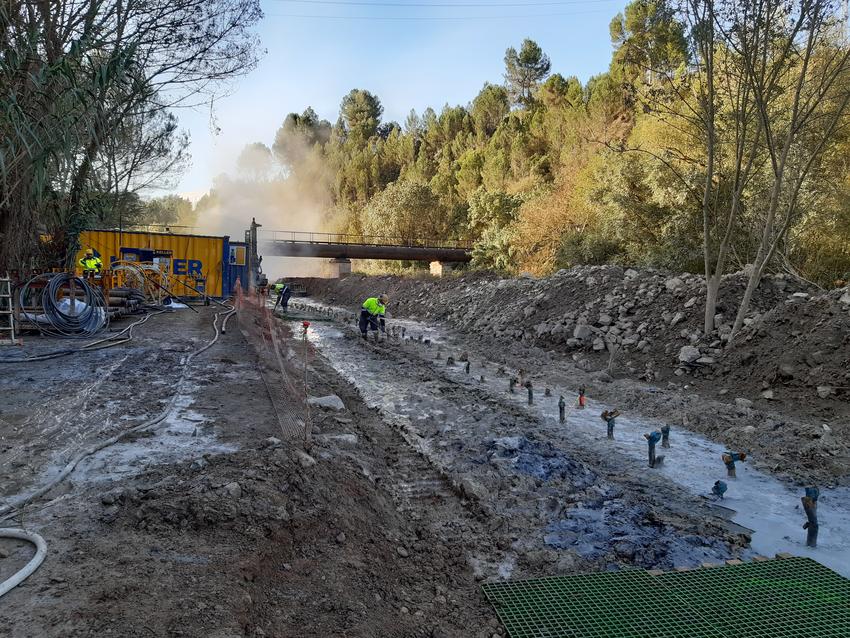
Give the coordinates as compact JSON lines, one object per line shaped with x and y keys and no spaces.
{"x":409,"y":56}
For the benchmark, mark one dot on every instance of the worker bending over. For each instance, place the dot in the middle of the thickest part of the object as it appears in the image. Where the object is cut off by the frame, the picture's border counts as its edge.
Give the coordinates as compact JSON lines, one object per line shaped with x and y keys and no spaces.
{"x":372,"y":315}
{"x":610,"y":418}
{"x":91,"y":264}
{"x":283,"y":294}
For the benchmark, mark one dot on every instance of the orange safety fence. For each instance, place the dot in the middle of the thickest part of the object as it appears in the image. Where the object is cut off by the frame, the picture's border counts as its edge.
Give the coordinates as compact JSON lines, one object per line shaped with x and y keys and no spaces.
{"x":281,"y":362}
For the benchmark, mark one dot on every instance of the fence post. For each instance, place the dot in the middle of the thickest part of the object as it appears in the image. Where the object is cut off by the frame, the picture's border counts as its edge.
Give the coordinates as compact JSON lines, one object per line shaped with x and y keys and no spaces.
{"x":307,"y":424}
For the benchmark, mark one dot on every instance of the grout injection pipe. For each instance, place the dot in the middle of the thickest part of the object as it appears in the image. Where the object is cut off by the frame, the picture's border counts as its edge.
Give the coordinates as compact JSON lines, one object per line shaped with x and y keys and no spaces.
{"x":810,"y":506}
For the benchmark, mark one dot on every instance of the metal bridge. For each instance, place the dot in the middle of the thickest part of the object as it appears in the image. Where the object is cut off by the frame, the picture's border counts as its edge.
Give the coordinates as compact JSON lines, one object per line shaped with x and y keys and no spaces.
{"x":340,"y":246}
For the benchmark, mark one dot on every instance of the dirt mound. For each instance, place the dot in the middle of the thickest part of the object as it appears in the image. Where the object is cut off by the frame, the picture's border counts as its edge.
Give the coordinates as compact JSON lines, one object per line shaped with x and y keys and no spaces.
{"x":218,"y":493}
{"x":649,"y":321}
{"x":798,"y":352}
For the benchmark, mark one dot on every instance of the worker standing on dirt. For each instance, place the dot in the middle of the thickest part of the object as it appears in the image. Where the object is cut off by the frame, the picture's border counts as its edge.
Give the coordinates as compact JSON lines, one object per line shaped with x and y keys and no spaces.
{"x":581,"y":402}
{"x":610,"y":420}
{"x":372,"y":315}
{"x":91,"y":264}
{"x":284,"y":292}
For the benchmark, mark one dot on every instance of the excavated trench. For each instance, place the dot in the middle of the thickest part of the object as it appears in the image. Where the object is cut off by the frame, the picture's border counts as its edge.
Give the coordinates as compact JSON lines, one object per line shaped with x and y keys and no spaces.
{"x":565,"y":486}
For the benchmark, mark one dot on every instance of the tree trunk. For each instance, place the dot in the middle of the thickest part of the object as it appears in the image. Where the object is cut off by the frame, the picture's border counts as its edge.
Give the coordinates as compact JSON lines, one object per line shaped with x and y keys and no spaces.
{"x":712,"y":289}
{"x":75,"y":220}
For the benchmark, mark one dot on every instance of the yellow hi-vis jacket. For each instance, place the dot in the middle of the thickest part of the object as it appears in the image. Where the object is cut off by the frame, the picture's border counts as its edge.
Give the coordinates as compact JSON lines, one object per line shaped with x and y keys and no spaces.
{"x":91,"y":263}
{"x":374,"y":307}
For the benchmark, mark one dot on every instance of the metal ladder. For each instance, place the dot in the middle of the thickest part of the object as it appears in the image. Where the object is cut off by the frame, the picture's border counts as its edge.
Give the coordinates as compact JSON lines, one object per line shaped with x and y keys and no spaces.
{"x":8,"y":333}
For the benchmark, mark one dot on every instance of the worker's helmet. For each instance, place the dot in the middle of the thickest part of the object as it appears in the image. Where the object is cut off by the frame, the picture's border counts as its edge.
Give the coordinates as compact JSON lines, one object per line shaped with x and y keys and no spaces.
{"x":384,"y":299}
{"x":89,"y":252}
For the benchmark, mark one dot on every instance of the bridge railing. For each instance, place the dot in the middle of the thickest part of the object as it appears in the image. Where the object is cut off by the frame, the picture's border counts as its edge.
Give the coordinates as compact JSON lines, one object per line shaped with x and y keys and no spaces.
{"x":373,"y":240}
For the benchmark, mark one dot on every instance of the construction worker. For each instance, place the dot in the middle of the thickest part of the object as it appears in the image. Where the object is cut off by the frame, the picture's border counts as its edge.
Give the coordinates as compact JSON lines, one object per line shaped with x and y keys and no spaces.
{"x":283,"y":294}
{"x":652,"y":439}
{"x":581,"y":403}
{"x":372,"y":315}
{"x":90,"y":264}
{"x":610,"y":420}
{"x":719,"y":489}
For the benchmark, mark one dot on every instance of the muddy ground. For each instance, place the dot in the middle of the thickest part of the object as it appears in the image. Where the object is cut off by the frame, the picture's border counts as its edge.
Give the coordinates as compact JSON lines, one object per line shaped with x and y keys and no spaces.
{"x":633,"y":337}
{"x":223,"y":533}
{"x":222,"y":522}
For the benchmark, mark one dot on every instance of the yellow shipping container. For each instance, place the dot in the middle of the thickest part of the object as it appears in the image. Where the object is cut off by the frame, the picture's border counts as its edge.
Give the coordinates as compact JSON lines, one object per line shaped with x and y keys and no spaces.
{"x":191,"y":255}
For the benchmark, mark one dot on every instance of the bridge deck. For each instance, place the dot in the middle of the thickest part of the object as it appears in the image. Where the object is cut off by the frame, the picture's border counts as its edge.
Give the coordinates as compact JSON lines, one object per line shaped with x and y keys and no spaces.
{"x":341,"y":246}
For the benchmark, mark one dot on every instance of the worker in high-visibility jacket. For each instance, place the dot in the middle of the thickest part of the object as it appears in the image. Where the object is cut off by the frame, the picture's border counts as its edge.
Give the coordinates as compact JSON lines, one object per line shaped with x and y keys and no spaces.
{"x":372,"y":315}
{"x":90,"y":263}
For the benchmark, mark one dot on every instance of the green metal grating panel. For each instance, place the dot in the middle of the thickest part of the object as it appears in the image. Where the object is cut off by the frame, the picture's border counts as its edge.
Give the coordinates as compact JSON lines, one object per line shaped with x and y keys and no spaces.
{"x":787,"y":598}
{"x":628,"y":604}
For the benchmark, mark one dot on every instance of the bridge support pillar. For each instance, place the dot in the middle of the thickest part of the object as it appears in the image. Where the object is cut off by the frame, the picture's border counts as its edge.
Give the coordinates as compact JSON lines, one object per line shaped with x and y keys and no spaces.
{"x":440,"y":268}
{"x":339,"y":268}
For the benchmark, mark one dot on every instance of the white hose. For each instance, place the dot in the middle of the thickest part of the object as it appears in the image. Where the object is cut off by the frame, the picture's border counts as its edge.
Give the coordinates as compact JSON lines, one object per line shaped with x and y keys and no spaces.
{"x":8,"y":509}
{"x":40,"y":552}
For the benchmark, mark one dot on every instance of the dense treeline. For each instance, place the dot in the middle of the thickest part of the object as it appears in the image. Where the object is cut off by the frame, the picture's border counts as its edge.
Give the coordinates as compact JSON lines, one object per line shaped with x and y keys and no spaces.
{"x":716,"y":140}
{"x":544,"y":172}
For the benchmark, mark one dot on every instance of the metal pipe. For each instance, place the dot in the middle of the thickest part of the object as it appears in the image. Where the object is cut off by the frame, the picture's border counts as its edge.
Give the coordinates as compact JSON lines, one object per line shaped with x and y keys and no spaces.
{"x":562,"y":409}
{"x":810,"y":506}
{"x":530,"y":389}
{"x":665,"y":436}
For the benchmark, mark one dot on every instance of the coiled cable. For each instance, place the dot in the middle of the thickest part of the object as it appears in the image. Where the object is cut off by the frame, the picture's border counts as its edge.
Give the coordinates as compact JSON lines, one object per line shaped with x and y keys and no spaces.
{"x":85,"y":323}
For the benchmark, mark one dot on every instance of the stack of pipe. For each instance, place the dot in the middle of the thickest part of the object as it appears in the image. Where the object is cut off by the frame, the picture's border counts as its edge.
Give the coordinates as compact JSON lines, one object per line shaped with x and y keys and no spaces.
{"x":125,"y":301}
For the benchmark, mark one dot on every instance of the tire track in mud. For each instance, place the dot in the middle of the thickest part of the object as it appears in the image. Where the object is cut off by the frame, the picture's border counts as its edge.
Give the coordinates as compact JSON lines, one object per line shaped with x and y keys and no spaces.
{"x":424,"y":493}
{"x":575,"y":508}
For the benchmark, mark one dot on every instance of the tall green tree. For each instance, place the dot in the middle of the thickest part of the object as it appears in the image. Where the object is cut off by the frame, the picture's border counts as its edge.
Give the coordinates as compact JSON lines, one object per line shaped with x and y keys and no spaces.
{"x":525,"y":70}
{"x":489,"y":108}
{"x":298,"y":135}
{"x":648,"y":38}
{"x":361,"y":114}
{"x":255,"y":161}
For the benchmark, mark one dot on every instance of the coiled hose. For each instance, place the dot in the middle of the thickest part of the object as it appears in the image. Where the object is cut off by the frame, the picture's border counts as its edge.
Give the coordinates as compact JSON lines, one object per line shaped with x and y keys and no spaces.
{"x":83,"y":324}
{"x":9,"y":509}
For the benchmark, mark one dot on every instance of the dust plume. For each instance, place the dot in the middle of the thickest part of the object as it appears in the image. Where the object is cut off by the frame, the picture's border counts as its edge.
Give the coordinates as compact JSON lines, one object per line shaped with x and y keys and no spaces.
{"x":280,"y":198}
